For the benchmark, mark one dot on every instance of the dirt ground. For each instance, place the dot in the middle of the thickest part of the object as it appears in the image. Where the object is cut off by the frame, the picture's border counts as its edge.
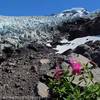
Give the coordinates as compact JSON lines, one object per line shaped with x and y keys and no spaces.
{"x":20,"y":71}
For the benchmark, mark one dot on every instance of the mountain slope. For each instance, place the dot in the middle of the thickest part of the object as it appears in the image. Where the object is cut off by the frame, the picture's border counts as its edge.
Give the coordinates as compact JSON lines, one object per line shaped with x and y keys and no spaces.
{"x":27,"y":47}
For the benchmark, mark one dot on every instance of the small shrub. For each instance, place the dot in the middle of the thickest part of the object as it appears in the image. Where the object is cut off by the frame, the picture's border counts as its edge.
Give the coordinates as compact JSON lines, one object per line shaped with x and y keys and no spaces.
{"x":65,"y":89}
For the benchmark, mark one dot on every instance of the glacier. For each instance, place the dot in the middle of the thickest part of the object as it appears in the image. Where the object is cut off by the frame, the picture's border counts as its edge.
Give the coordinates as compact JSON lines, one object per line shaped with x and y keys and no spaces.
{"x":18,"y":30}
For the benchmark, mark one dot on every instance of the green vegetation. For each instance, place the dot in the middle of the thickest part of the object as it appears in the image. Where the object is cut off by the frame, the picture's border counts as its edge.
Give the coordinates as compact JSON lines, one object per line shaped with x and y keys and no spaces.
{"x":65,"y":89}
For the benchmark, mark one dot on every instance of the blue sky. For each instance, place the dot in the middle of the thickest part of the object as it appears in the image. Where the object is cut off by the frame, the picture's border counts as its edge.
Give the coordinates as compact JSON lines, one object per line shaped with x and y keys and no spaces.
{"x":43,"y":7}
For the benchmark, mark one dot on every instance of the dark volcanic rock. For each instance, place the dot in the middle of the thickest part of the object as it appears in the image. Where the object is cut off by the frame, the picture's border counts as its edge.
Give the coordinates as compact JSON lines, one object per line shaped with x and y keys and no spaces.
{"x":87,"y":54}
{"x":83,"y":49}
{"x":81,"y":27}
{"x":69,"y":51}
{"x":92,"y":27}
{"x":96,"y":57}
{"x":8,"y":51}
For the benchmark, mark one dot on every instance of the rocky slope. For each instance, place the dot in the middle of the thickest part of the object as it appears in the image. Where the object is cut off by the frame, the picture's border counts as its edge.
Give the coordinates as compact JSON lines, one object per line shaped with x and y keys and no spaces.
{"x":25,"y":43}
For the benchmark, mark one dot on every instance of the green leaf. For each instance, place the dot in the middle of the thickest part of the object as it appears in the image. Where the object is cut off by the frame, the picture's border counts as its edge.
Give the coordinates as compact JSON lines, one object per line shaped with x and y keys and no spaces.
{"x":98,"y":98}
{"x":81,"y":78}
{"x":90,"y":75}
{"x":72,"y":78}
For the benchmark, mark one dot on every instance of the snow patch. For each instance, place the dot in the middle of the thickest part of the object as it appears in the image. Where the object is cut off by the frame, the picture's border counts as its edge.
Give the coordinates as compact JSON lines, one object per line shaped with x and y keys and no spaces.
{"x":64,"y":41}
{"x":74,"y":43}
{"x":48,"y":45}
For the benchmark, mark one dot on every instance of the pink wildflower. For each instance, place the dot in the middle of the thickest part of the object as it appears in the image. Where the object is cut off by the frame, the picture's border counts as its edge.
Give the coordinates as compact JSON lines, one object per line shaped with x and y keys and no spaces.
{"x":76,"y":66}
{"x":58,"y":72}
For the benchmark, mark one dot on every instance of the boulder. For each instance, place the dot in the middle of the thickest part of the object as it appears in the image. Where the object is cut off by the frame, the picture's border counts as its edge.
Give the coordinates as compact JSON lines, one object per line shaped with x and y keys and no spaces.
{"x":42,"y":89}
{"x":50,"y":73}
{"x":96,"y":77}
{"x":96,"y":73}
{"x":81,"y":49}
{"x":44,"y":61}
